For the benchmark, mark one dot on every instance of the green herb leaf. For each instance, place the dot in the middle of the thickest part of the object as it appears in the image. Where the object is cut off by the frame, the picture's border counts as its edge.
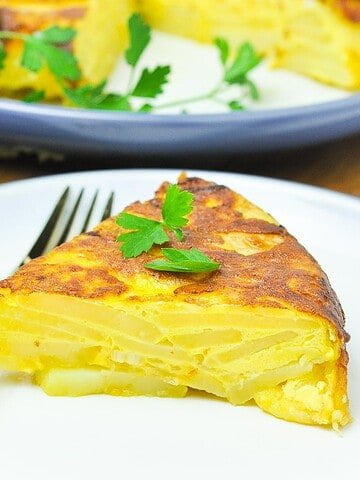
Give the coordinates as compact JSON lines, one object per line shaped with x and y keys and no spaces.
{"x":235,"y":105}
{"x":184,"y":261}
{"x":246,"y":60}
{"x":34,"y":97}
{"x":146,"y":108}
{"x":253,"y":89}
{"x":57,"y":35}
{"x":95,"y":98}
{"x":61,"y":63}
{"x":177,"y":204}
{"x":224,"y":49}
{"x":31,"y":57}
{"x":145,"y":234}
{"x":112,"y":101}
{"x":140,"y":35}
{"x":151,"y":82}
{"x":86,"y":96}
{"x":2,"y":56}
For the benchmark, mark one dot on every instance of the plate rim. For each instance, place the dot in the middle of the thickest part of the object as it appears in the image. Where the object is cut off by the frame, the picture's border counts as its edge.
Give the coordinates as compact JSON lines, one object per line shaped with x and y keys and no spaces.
{"x":349,"y":105}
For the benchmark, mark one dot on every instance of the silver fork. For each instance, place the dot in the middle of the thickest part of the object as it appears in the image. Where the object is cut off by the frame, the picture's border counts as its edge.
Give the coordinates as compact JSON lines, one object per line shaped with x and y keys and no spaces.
{"x":41,"y":245}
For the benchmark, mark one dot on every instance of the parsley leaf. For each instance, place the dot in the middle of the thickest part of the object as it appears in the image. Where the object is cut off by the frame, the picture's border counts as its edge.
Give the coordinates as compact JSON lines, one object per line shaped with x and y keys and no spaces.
{"x":184,"y":261}
{"x":61,"y":63}
{"x":253,"y":89}
{"x":151,"y":82}
{"x":140,"y":36}
{"x":224,"y":49}
{"x":2,"y":56}
{"x":146,"y":234}
{"x":57,"y":35}
{"x":235,"y":105}
{"x":86,"y":96}
{"x":146,"y":108}
{"x":178,"y":203}
{"x":112,"y":101}
{"x":245,"y":61}
{"x":31,"y":56}
{"x":34,"y":97}
{"x":95,"y":98}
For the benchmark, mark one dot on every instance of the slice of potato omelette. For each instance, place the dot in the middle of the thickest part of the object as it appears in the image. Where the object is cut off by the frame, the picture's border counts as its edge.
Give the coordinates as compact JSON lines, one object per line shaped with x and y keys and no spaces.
{"x":267,"y":326}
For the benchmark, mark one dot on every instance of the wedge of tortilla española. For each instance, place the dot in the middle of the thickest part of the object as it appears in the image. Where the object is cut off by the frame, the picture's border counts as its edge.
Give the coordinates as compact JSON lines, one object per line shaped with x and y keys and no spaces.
{"x":267,"y":326}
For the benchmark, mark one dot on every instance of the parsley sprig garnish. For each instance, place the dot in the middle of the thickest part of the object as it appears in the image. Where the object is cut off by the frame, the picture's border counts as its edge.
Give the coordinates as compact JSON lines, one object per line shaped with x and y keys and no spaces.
{"x":144,"y":235}
{"x":150,"y":83}
{"x":46,"y":48}
{"x":146,"y":232}
{"x":235,"y":73}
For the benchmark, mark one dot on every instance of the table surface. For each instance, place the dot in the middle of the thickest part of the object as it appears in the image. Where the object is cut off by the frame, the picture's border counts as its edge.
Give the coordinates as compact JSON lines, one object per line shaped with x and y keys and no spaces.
{"x":334,"y":165}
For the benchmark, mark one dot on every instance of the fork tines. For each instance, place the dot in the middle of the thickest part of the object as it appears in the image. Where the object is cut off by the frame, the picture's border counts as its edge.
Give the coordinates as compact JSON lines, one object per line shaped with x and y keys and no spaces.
{"x":55,"y":224}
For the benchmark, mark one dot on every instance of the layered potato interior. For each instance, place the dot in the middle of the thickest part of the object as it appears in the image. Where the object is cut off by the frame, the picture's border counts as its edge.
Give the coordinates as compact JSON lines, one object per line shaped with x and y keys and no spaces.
{"x":258,"y":21}
{"x":283,"y":360}
{"x":320,"y":41}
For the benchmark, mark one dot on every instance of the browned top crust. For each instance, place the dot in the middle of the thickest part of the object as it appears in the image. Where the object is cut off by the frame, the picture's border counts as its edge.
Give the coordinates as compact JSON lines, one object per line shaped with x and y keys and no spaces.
{"x":27,"y":19}
{"x":279,"y":273}
{"x":350,"y":8}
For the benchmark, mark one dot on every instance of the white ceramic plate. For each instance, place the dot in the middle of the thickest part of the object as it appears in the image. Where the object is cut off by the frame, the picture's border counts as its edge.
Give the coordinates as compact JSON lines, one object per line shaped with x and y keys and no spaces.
{"x":102,"y":437}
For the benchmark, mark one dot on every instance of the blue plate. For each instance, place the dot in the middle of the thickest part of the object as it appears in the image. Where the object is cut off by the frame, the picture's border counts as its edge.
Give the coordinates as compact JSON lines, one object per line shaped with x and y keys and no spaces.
{"x":60,"y":129}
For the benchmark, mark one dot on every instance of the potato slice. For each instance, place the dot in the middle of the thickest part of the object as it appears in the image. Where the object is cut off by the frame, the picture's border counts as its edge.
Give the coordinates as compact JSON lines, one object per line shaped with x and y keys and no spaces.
{"x":87,"y":381}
